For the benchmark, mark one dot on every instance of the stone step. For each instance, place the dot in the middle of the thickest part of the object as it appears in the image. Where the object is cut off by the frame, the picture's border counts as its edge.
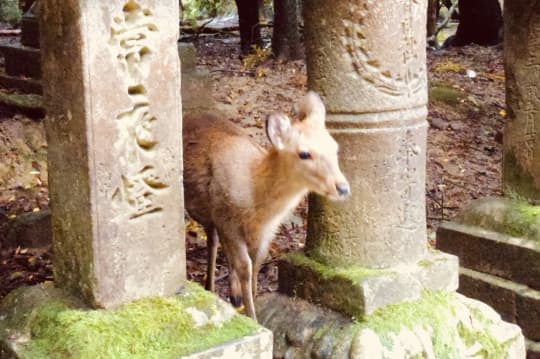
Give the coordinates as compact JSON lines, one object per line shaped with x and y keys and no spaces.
{"x":512,"y":258}
{"x":21,"y":60}
{"x":20,"y":83}
{"x":516,"y":303}
{"x":28,"y":104}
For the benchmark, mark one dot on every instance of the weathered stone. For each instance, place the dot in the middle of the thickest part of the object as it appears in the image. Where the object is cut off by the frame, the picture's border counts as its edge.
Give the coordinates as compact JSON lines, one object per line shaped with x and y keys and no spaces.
{"x":438,"y":325}
{"x":24,"y":85}
{"x":521,"y":147}
{"x":20,"y":60}
{"x":28,"y":104}
{"x":188,"y":56}
{"x":358,"y":291}
{"x":533,"y":349}
{"x":496,"y":236}
{"x":515,"y":302}
{"x":31,"y":229}
{"x":197,"y":92}
{"x":115,"y":154}
{"x":45,"y":322}
{"x":376,"y":98}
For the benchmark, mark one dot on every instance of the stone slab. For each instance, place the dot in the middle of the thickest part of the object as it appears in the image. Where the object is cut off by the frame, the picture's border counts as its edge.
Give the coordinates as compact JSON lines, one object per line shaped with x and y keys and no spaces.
{"x":433,"y":327}
{"x":357,"y":291}
{"x":31,"y":229}
{"x":533,"y":349}
{"x":20,"y":60}
{"x":257,"y":346}
{"x":486,"y":251}
{"x":29,"y":104}
{"x":20,"y":309}
{"x":22,"y":84}
{"x":188,"y":56}
{"x":197,"y":92}
{"x":114,"y":136}
{"x":515,"y":302}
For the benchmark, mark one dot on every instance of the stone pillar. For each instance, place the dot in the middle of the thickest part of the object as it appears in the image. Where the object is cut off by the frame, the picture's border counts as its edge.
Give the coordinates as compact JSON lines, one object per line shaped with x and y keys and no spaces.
{"x":497,"y":238}
{"x":376,"y":100}
{"x":111,"y":79}
{"x":521,"y":163}
{"x":367,"y":60}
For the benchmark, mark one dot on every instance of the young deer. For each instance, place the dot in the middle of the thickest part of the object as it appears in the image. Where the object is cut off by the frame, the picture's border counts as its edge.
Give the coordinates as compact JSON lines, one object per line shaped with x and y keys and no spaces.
{"x":240,"y":193}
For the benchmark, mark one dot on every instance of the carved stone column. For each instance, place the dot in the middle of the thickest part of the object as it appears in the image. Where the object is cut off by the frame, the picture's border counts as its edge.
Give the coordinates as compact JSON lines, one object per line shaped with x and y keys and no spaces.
{"x":367,"y":60}
{"x":111,"y":81}
{"x":372,"y":78}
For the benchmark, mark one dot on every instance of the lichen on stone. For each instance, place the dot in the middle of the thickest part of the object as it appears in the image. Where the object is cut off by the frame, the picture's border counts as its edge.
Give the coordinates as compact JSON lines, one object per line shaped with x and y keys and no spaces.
{"x":157,"y":327}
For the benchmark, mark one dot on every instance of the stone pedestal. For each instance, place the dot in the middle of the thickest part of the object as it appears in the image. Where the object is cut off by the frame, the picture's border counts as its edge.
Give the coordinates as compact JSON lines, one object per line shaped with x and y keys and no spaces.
{"x":44,"y":322}
{"x":497,"y":238}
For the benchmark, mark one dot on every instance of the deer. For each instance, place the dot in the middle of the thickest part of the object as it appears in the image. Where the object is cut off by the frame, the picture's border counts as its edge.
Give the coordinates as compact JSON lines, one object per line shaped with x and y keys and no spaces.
{"x":240,"y":192}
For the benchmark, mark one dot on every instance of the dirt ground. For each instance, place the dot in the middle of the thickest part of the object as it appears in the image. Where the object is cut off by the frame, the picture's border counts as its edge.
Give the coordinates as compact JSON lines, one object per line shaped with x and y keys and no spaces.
{"x":466,"y":115}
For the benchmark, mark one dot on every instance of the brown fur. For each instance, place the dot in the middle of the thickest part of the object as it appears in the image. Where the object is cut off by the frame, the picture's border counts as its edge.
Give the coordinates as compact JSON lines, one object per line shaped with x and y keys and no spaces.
{"x":240,"y":193}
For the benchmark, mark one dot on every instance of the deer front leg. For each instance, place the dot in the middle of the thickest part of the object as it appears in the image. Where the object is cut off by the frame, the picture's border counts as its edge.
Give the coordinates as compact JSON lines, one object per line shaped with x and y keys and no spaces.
{"x":212,"y":241}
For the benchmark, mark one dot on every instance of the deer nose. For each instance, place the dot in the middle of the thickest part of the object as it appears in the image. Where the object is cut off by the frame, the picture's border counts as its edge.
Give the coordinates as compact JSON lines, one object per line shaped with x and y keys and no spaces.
{"x":343,"y":189}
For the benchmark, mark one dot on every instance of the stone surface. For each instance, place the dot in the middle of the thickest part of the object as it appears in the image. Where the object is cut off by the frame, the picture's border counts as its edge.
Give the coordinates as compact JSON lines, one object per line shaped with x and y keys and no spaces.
{"x":508,"y":257}
{"x":357,"y":291}
{"x":115,"y":154}
{"x":533,"y":349}
{"x":376,"y":98}
{"x":521,"y":147}
{"x":216,"y":331}
{"x":188,"y":56}
{"x":31,"y":229}
{"x":20,"y":60}
{"x":24,"y":85}
{"x":438,"y":326}
{"x":515,"y":302}
{"x":257,"y":346}
{"x":197,"y":92}
{"x":28,"y":104}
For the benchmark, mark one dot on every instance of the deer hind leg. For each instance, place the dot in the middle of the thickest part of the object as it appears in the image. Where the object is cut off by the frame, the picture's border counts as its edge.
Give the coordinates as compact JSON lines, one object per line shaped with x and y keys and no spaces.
{"x":258,"y":255}
{"x":212,"y":246}
{"x":241,"y":275}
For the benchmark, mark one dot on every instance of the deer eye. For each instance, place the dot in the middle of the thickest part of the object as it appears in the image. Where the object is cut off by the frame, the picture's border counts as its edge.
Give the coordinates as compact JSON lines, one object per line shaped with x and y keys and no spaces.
{"x":305,"y":155}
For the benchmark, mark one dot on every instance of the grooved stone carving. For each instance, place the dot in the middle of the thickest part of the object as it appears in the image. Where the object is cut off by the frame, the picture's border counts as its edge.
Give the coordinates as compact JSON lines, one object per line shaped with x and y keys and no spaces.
{"x":371,"y":67}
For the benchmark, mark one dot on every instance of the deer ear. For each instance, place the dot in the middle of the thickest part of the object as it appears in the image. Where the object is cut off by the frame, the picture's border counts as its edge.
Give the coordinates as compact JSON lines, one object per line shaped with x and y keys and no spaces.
{"x":278,"y":129}
{"x":312,"y":108}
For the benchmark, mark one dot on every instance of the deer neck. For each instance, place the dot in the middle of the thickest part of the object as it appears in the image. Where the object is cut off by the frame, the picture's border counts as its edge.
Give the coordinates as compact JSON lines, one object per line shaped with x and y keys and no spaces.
{"x":277,"y":189}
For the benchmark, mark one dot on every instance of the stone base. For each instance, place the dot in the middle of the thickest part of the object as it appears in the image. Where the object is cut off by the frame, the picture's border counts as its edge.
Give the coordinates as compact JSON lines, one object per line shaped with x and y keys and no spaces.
{"x":438,"y":325}
{"x":43,"y":322}
{"x":21,"y":60}
{"x":357,"y":291}
{"x":498,"y":243}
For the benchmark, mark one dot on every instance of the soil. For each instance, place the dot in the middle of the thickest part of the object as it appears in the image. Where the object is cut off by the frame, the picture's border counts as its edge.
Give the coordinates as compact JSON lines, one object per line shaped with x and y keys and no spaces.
{"x":466,"y":113}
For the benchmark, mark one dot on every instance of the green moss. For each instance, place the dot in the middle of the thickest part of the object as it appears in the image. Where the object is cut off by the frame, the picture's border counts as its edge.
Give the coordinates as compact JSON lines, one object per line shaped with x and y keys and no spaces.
{"x":518,"y":181}
{"x":22,"y":100}
{"x":353,"y":273}
{"x":515,"y":218}
{"x":445,"y":94}
{"x":433,"y":311}
{"x":147,"y":328}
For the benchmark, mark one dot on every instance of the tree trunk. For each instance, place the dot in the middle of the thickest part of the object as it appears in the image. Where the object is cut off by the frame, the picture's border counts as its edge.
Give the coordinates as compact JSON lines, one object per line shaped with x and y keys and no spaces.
{"x":480,"y":22}
{"x":248,"y":18}
{"x":285,"y":39}
{"x":432,"y":15}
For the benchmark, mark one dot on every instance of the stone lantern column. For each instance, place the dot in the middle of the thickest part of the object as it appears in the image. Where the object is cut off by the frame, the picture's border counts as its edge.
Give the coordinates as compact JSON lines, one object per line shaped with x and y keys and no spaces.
{"x":367,"y":61}
{"x":367,"y":258}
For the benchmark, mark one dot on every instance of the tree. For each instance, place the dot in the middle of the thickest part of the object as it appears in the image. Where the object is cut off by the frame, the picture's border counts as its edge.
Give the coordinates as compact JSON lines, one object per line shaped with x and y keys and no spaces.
{"x":481,"y":22}
{"x":285,"y":37}
{"x":248,"y":18}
